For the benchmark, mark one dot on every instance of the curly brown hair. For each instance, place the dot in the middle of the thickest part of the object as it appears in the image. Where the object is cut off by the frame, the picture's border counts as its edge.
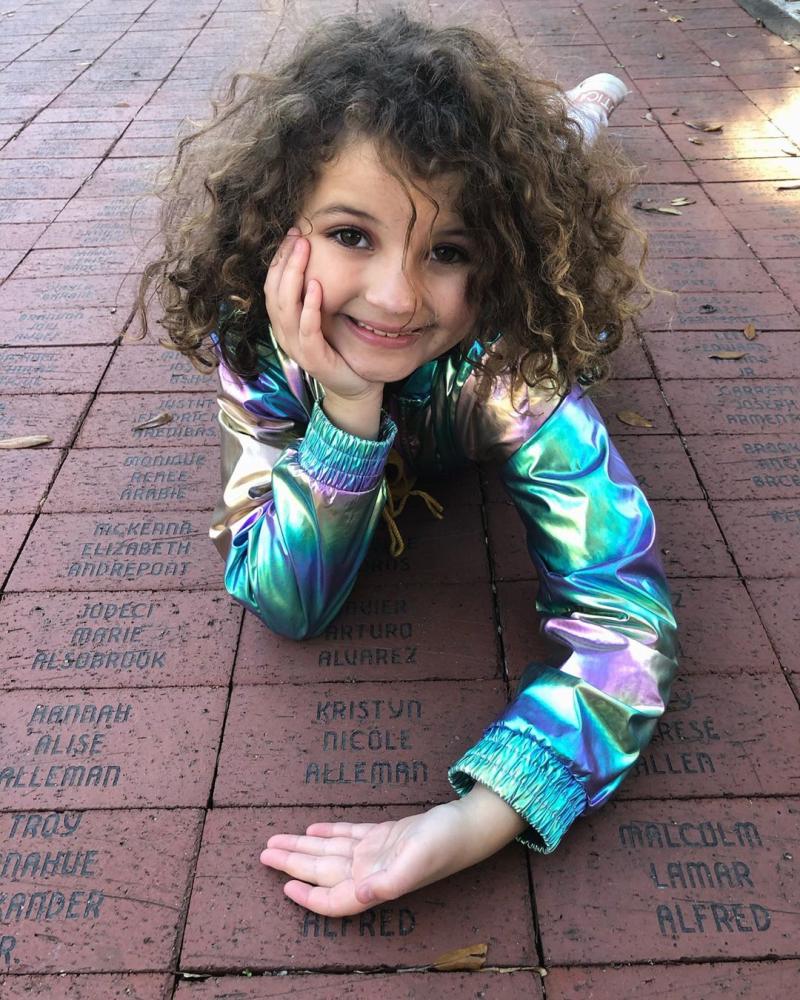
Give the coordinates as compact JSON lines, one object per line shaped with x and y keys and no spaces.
{"x":549,"y":211}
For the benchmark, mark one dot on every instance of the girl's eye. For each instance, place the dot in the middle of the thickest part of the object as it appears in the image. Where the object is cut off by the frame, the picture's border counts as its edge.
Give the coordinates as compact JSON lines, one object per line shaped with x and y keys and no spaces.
{"x":345,"y":236}
{"x":460,"y":255}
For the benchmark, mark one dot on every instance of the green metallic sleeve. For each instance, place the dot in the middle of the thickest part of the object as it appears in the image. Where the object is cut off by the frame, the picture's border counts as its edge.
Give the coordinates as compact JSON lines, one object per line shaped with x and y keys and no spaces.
{"x":566,"y":741}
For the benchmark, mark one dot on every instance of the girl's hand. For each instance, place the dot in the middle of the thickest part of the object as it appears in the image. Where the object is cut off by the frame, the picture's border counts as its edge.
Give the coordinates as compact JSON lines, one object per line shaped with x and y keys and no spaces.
{"x":297,"y":322}
{"x":344,"y":868}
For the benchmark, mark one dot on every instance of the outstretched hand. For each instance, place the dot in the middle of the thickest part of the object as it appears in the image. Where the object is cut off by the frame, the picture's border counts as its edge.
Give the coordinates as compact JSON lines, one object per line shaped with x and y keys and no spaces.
{"x":341,"y":869}
{"x":296,"y":321}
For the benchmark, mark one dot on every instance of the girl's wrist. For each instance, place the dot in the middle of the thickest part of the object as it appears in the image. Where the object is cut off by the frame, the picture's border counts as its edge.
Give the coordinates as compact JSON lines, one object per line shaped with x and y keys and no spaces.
{"x":489,"y":821}
{"x":361,"y":416}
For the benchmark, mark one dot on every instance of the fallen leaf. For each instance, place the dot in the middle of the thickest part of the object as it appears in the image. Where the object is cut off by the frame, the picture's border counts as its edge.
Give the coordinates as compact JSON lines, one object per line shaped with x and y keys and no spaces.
{"x":695,"y":141}
{"x":675,"y":111}
{"x":730,"y":34}
{"x":750,"y":332}
{"x":634,"y":419}
{"x":683,"y":201}
{"x":715,"y":62}
{"x":664,"y":209}
{"x":649,"y":116}
{"x":729,"y":355}
{"x":706,"y":307}
{"x":659,"y":55}
{"x":704,"y":126}
{"x":788,"y":187}
{"x":789,"y":152}
{"x":462,"y":959}
{"x":157,"y":421}
{"x":29,"y":441}
{"x":676,"y":18}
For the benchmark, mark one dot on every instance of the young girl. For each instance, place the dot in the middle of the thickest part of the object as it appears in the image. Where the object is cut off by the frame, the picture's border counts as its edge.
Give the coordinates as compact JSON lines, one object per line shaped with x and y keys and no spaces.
{"x":409,"y":243}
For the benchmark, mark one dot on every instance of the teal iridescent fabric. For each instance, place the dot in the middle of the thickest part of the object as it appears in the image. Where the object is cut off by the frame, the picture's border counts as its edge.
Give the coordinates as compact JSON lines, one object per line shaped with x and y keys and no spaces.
{"x":300,"y":503}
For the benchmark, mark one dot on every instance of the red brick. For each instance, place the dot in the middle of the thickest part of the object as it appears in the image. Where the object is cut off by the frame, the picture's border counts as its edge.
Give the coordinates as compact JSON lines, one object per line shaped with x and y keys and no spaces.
{"x":706,"y":745}
{"x":630,"y":360}
{"x":20,"y":237}
{"x":785,"y":274}
{"x":13,"y":528}
{"x":92,"y":902}
{"x":76,"y":260}
{"x":696,"y":274}
{"x":725,"y":980}
{"x":756,"y":205}
{"x":147,"y":748}
{"x":154,"y":369}
{"x":112,"y":419}
{"x":768,"y":243}
{"x":128,"y":177}
{"x":763,"y":536}
{"x":384,"y":633}
{"x":660,"y":466}
{"x":777,"y":168}
{"x":780,"y":105}
{"x":136,"y":479}
{"x":64,"y":326}
{"x":9,"y":261}
{"x":104,"y":640}
{"x":240,"y":918}
{"x":108,"y":291}
{"x":133,"y":986}
{"x":688,"y":354}
{"x":689,"y":540}
{"x":649,"y":910}
{"x":114,"y":207}
{"x":101,"y":233}
{"x":699,"y":216}
{"x":275,"y":749}
{"x":51,"y":369}
{"x":776,"y":604}
{"x":642,"y":396}
{"x":723,"y":145}
{"x":759,"y":467}
{"x":24,"y":477}
{"x":55,"y":416}
{"x":723,"y":407}
{"x":451,"y":550}
{"x":719,"y":311}
{"x":79,"y":552}
{"x":723,"y":242}
{"x":672,"y":91}
{"x":361,"y":986}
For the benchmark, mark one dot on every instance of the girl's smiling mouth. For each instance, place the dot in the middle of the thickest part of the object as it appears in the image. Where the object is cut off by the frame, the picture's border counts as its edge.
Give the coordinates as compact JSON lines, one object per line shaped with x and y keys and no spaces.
{"x":381,"y":335}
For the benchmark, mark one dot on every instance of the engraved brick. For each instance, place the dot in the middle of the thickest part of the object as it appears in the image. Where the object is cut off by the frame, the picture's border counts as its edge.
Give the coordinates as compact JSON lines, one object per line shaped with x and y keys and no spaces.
{"x":350,"y":743}
{"x":169,"y":551}
{"x":756,"y":204}
{"x":383,"y":633}
{"x":705,"y":745}
{"x":763,"y":536}
{"x":75,"y":260}
{"x":143,"y":369}
{"x":688,"y":354}
{"x":757,"y":467}
{"x":139,"y":639}
{"x":695,"y":274}
{"x":13,"y":528}
{"x":51,"y":369}
{"x":719,"y":311}
{"x":55,"y":416}
{"x":142,"y":479}
{"x":724,"y":242}
{"x":112,"y":419}
{"x":109,"y":748}
{"x":757,"y":406}
{"x":59,"y":326}
{"x":714,"y":878}
{"x":260,"y":928}
{"x":70,"y":872}
{"x":776,"y":604}
{"x":24,"y":477}
{"x":112,"y":291}
{"x":640,"y":395}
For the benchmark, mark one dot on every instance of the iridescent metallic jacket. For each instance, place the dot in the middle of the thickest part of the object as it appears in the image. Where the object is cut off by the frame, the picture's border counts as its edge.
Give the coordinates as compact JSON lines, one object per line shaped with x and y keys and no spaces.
{"x":301,"y":500}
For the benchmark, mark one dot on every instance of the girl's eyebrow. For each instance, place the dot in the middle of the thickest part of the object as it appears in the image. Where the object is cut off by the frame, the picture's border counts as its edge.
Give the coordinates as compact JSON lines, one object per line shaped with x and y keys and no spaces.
{"x":359,"y":213}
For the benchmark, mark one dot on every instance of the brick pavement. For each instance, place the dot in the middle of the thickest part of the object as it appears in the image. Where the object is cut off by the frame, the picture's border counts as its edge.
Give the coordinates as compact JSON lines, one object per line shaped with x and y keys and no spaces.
{"x":152,"y":739}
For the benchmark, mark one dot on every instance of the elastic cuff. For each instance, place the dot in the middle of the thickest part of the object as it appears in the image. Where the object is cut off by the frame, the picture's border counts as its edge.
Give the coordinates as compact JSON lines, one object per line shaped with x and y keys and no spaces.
{"x":344,"y":461}
{"x":529,"y":778}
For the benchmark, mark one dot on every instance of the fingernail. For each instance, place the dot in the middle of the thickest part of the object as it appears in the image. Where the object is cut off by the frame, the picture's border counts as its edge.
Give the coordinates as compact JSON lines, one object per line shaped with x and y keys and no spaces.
{"x":294,"y":231}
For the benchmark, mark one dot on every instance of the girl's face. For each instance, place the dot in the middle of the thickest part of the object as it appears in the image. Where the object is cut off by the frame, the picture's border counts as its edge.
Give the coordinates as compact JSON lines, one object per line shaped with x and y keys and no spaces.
{"x":358,"y":215}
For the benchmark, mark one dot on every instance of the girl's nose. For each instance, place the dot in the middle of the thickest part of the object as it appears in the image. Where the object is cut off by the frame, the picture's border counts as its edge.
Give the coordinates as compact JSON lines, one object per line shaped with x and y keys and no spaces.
{"x":390,"y":290}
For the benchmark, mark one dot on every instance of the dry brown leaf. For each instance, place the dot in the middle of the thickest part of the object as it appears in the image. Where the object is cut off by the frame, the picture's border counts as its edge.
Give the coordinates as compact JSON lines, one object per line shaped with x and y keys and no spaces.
{"x":675,"y":18}
{"x":650,"y":117}
{"x":462,"y":959}
{"x":157,"y":421}
{"x":29,"y":441}
{"x":705,"y":126}
{"x":750,"y":332}
{"x":729,"y":355}
{"x":664,"y":209}
{"x":695,"y":141}
{"x":633,"y":419}
{"x":792,"y":186}
{"x":683,"y":201}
